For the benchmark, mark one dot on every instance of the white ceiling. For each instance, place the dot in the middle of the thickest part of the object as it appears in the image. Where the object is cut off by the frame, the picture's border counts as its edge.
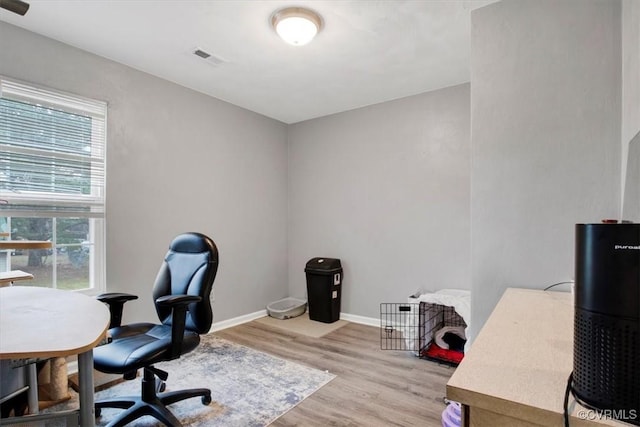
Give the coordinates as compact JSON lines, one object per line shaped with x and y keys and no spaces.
{"x":367,"y":52}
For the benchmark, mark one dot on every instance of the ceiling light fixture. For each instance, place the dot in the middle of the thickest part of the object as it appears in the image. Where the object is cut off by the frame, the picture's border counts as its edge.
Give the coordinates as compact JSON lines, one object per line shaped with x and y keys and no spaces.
{"x":296,"y":25}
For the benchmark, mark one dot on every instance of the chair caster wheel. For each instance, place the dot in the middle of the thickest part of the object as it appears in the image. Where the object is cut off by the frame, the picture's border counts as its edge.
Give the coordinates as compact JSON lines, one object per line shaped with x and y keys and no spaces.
{"x":206,"y":399}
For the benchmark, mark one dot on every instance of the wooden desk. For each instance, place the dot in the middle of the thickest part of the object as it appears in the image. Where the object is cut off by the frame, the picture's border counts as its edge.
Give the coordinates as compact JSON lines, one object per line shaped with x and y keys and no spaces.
{"x":516,"y":372}
{"x":13,"y":276}
{"x":25,"y":244}
{"x":44,"y":323}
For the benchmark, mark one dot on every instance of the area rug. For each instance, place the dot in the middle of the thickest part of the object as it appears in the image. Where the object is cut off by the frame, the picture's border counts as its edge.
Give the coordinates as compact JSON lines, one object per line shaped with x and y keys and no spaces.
{"x":303,"y":325}
{"x":248,"y":388}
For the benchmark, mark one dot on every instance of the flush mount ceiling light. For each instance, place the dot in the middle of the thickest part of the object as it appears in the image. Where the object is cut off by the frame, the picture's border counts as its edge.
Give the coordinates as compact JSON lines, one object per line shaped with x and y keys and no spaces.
{"x":296,"y":25}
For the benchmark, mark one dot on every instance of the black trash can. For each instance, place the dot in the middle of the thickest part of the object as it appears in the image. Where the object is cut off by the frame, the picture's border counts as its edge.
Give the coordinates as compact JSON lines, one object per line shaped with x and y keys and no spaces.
{"x":324,"y":289}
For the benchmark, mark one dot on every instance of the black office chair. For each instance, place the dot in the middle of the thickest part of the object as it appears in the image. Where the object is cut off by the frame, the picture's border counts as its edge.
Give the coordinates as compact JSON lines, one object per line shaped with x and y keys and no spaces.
{"x":181,"y":294}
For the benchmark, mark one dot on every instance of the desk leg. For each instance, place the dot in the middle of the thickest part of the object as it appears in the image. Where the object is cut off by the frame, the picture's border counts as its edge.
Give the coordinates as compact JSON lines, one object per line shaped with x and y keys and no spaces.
{"x":85,"y":380}
{"x":32,"y":393}
{"x":466,"y":415}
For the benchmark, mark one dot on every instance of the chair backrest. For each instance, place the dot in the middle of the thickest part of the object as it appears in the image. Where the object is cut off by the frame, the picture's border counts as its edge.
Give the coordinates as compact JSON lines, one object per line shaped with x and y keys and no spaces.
{"x":189,"y":268}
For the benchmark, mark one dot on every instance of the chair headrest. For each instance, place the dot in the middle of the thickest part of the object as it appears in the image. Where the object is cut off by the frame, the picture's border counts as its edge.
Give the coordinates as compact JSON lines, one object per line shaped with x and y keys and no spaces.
{"x":192,"y":243}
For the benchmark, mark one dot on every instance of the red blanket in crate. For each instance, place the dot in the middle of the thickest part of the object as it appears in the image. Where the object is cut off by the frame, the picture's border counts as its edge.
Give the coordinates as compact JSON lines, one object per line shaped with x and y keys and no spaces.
{"x":436,"y":352}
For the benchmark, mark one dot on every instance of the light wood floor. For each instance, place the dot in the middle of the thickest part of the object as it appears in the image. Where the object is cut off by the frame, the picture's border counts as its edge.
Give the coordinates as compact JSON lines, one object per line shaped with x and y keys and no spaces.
{"x":373,"y":387}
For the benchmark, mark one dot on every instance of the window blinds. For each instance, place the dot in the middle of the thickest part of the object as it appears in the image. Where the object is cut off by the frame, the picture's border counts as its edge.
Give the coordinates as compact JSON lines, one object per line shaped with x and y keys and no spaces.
{"x":52,"y":152}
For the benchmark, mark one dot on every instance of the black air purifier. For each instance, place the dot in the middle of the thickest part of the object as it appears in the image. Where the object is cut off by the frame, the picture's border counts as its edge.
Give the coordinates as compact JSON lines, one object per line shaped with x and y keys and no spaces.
{"x":606,"y":350}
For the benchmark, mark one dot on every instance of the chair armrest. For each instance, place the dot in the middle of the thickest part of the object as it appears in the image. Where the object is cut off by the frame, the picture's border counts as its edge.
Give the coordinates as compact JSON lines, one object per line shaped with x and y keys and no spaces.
{"x":115,"y":301}
{"x":176,"y":300}
{"x":178,"y":304}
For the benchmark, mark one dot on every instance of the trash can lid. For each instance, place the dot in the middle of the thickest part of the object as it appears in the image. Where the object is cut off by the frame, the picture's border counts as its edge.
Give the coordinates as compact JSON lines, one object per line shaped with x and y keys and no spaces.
{"x":323,"y":264}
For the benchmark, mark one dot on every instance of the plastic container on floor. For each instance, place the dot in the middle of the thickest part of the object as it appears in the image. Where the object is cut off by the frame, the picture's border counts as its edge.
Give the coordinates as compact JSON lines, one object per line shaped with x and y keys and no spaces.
{"x":287,"y":308}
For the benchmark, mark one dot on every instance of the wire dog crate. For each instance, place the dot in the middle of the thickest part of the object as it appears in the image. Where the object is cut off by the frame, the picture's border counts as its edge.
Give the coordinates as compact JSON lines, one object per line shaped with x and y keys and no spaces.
{"x":412,"y":327}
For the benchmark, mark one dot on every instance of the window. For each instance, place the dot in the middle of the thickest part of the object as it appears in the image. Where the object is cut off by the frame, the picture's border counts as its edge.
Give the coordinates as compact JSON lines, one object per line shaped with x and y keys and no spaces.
{"x":52,"y":184}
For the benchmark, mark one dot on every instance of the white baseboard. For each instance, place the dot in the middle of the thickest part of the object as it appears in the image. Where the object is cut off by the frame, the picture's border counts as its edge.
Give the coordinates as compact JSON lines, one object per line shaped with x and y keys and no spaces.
{"x":224,"y":324}
{"x":354,"y":318}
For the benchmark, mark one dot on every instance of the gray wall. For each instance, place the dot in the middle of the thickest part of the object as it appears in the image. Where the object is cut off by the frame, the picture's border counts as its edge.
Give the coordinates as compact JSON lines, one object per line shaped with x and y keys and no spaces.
{"x":631,"y":107}
{"x":631,"y":205}
{"x":386,"y":189}
{"x":177,"y":161}
{"x":545,"y":114}
{"x":630,"y":69}
{"x":390,"y":188}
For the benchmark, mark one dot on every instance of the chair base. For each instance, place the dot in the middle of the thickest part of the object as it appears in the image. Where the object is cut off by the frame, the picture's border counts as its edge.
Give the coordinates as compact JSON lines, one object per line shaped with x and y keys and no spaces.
{"x":150,"y":403}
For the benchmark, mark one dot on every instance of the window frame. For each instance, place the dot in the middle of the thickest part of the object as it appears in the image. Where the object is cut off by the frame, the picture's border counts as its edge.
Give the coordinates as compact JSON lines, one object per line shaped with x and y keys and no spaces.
{"x":64,"y":205}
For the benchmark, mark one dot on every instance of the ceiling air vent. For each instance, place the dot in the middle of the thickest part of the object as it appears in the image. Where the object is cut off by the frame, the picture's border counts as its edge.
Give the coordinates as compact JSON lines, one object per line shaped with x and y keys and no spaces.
{"x":201,"y":53}
{"x":211,"y":59}
{"x":15,"y":6}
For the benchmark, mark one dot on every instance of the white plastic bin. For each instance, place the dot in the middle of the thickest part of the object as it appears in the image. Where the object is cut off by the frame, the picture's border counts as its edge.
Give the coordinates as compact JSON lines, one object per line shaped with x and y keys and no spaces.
{"x":287,"y":308}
